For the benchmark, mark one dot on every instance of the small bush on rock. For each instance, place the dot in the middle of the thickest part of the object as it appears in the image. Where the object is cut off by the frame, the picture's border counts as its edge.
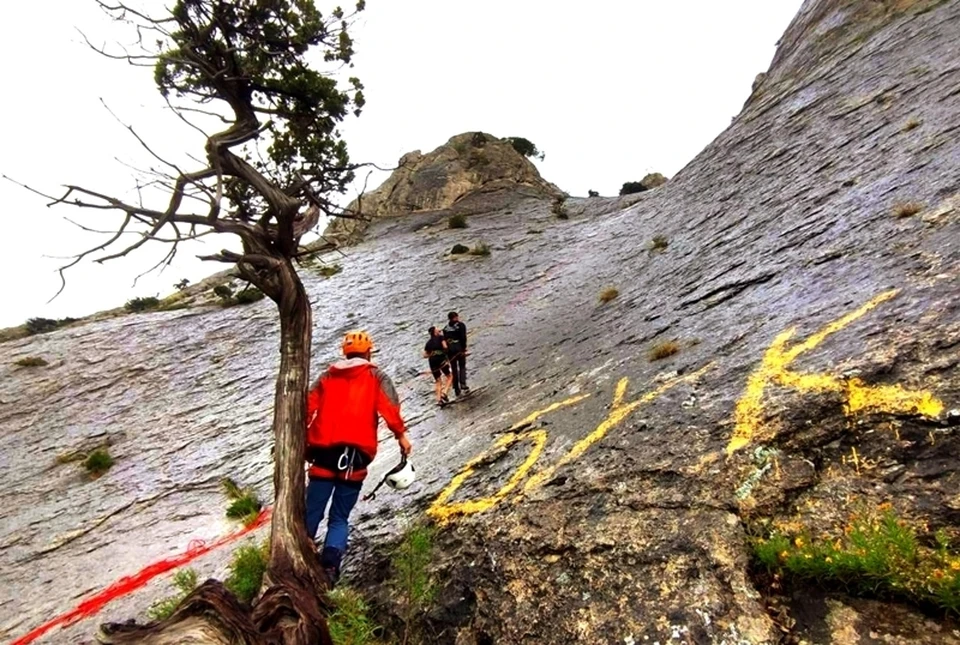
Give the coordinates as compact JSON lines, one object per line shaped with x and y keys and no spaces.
{"x":249,"y":295}
{"x":663,"y":350}
{"x":329,"y":270}
{"x":457,"y":221}
{"x":609,"y":294}
{"x":350,"y":623}
{"x":244,"y":504}
{"x":41,"y":325}
{"x":659,"y":243}
{"x":31,"y":361}
{"x":184,"y":581}
{"x":907,"y":209}
{"x":137,"y":305}
{"x":98,"y":462}
{"x":592,"y":193}
{"x":247,"y":567}
{"x":632,"y":187}
{"x":480,"y":249}
{"x":223,"y":291}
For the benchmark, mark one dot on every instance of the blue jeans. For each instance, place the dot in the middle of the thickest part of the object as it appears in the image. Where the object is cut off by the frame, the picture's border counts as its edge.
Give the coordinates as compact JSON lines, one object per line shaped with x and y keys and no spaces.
{"x":344,"y":498}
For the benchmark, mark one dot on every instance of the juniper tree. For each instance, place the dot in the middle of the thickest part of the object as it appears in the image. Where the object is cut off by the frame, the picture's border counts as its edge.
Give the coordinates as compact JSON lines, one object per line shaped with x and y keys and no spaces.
{"x":265,"y":177}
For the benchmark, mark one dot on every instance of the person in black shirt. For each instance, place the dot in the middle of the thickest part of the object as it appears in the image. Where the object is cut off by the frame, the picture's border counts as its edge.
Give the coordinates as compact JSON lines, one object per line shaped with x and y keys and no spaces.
{"x":455,"y":333}
{"x":435,"y":351}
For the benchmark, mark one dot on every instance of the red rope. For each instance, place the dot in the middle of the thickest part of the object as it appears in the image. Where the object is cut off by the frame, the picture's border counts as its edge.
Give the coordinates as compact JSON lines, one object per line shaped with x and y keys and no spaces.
{"x":128,"y":584}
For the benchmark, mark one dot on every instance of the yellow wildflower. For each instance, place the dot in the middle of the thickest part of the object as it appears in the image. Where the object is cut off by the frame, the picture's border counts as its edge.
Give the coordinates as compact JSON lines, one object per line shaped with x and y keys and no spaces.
{"x":799,"y":542}
{"x":886,"y":506}
{"x":955,"y":565}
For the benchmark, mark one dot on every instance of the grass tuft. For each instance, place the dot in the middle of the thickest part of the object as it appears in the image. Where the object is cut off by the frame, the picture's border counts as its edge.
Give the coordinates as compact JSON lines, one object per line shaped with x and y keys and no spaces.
{"x":136,"y":305}
{"x":185,"y":581}
{"x":329,"y":270}
{"x":911,"y":123}
{"x":874,"y":554}
{"x":244,"y":503}
{"x":247,"y":567}
{"x":663,"y":350}
{"x":249,"y":295}
{"x":457,"y":221}
{"x":98,"y":462}
{"x":481,"y":249}
{"x":609,"y":294}
{"x":31,"y":361}
{"x":412,"y":579}
{"x":349,"y":622}
{"x":659,"y":243}
{"x":906,"y":209}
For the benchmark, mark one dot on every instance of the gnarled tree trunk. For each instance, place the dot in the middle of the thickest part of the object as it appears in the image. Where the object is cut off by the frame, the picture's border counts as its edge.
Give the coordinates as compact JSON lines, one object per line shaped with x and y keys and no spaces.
{"x":291,"y":609}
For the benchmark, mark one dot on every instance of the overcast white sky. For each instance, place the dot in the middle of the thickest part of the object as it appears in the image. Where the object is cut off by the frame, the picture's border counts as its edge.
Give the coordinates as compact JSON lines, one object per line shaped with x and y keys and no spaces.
{"x":610,"y":90}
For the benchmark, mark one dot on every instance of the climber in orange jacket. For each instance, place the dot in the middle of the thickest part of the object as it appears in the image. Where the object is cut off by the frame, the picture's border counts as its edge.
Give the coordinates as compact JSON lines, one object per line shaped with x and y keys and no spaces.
{"x":342,"y":415}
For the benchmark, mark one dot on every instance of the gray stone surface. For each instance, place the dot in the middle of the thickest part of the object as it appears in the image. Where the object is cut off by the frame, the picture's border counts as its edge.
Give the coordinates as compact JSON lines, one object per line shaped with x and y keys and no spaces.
{"x":786,"y":220}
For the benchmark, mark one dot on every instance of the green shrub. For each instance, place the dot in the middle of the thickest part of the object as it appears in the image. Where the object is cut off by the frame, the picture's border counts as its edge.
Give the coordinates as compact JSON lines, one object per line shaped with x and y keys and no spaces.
{"x":31,"y":361}
{"x":223,"y":291}
{"x":244,"y":504}
{"x":349,"y":622}
{"x":184,"y":581}
{"x":608,"y":294}
{"x":249,"y":295}
{"x":663,"y":350}
{"x":412,"y":579}
{"x":247,"y":567}
{"x":41,"y":325}
{"x":329,"y":270}
{"x":592,"y":193}
{"x":481,"y":249}
{"x":137,"y":305}
{"x":525,"y":147}
{"x":632,"y":187}
{"x":98,"y":462}
{"x":457,"y":221}
{"x":874,"y":554}
{"x":459,"y":249}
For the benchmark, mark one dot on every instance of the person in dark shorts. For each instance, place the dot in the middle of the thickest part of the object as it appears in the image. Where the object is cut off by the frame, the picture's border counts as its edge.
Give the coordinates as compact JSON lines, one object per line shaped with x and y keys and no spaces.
{"x":455,"y":333}
{"x":435,"y":351}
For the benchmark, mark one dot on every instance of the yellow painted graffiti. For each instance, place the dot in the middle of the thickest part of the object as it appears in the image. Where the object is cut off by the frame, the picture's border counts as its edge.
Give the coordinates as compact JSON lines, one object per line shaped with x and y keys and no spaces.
{"x":859,"y":397}
{"x":618,"y":412}
{"x":443,"y":511}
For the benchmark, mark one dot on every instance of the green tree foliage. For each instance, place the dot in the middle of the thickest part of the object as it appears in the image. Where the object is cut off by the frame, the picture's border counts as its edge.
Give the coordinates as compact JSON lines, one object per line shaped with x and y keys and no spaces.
{"x":631,"y":187}
{"x":525,"y":147}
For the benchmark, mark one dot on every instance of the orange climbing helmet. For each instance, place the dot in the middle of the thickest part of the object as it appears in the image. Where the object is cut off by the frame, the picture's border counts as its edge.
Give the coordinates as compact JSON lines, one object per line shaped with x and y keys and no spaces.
{"x":357,"y":342}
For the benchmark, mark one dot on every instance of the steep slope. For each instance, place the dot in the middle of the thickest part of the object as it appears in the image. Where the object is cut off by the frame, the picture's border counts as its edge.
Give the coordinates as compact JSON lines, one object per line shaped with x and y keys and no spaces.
{"x":818,"y":338}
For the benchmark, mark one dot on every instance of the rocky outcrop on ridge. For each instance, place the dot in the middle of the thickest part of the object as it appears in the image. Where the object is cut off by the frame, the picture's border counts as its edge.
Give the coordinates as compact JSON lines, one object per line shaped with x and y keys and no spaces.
{"x":467,"y":163}
{"x":784,"y":355}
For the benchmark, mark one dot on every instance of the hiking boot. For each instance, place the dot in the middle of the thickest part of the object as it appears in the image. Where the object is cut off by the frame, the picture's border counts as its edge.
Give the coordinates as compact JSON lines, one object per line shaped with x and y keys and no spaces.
{"x":333,"y":576}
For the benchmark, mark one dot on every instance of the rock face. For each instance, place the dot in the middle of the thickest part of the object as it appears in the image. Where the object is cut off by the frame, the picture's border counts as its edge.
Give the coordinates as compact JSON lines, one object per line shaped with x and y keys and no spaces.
{"x":468,"y":162}
{"x":652,"y":180}
{"x":782,"y":353}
